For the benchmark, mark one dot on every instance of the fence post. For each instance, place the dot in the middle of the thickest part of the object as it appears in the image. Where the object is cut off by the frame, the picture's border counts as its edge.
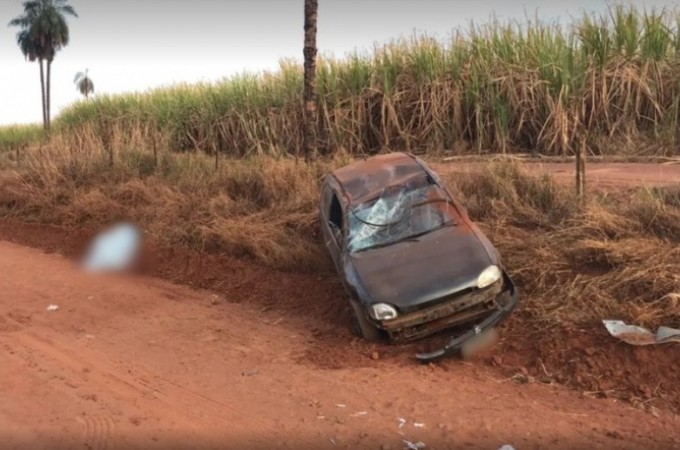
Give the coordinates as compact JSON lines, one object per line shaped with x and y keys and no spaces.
{"x":581,"y":167}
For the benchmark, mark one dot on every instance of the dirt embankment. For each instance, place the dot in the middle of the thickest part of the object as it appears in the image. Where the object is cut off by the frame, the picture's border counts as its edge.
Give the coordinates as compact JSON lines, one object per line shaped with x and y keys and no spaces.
{"x":264,"y":359}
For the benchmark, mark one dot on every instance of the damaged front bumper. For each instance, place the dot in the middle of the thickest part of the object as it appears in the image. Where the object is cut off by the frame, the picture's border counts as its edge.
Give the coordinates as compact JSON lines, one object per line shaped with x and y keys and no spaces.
{"x":504,"y":309}
{"x":487,"y":307}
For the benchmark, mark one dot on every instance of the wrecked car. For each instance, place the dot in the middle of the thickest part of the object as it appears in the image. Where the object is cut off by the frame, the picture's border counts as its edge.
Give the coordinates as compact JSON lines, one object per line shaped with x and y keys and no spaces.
{"x":409,"y":257}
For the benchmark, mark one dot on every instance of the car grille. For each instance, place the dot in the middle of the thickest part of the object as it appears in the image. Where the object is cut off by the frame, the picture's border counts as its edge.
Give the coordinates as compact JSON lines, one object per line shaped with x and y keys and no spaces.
{"x":454,"y":310}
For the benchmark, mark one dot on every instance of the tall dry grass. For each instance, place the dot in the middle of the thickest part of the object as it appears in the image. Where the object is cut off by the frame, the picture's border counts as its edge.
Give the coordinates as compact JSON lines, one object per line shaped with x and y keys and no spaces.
{"x":264,"y":208}
{"x":610,"y":80}
{"x":614,"y":256}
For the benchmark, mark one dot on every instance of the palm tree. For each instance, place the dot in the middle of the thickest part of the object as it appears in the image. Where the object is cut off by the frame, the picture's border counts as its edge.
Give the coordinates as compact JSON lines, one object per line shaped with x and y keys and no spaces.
{"x":309,"y":134}
{"x":29,"y":47}
{"x":84,"y":83}
{"x":44,"y":31}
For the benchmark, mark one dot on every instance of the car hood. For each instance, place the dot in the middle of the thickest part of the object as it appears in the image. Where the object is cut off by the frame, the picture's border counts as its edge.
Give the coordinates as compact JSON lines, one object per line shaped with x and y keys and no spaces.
{"x":411,"y":273}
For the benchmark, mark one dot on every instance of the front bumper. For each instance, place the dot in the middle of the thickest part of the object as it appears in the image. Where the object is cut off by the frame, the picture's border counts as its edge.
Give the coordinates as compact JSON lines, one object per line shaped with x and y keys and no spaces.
{"x":493,"y":319}
{"x":447,"y":314}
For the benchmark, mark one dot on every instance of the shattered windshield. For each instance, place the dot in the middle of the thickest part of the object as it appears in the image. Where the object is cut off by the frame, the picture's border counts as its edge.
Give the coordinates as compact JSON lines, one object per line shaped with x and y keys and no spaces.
{"x":398,"y":214}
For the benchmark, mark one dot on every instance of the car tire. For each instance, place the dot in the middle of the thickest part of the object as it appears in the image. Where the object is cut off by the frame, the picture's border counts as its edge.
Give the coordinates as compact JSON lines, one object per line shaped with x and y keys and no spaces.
{"x":361,"y":326}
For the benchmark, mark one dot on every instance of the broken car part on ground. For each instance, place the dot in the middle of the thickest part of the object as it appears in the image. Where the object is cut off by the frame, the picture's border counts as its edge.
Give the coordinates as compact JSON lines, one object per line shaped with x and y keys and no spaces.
{"x":410,"y":258}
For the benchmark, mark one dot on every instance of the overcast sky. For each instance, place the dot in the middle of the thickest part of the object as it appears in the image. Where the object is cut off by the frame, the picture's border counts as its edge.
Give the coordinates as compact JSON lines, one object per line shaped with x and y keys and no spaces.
{"x":134,"y":45}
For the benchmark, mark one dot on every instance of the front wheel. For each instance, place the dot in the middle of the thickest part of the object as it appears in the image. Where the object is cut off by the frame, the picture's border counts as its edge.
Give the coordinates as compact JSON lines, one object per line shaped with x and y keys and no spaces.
{"x":361,"y":326}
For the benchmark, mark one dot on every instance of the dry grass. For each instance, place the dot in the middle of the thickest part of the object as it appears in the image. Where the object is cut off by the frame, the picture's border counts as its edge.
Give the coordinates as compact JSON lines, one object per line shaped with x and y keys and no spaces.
{"x":615,"y":256}
{"x":261,"y":208}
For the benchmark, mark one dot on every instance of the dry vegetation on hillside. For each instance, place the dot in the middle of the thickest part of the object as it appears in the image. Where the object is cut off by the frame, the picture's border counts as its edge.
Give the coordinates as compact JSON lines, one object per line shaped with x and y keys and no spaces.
{"x":612,"y":256}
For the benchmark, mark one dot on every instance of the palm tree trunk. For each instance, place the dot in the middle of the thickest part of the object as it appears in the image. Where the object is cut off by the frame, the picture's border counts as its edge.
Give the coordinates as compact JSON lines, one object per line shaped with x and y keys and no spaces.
{"x":42,"y":92}
{"x":309,"y":132}
{"x":47,"y":94}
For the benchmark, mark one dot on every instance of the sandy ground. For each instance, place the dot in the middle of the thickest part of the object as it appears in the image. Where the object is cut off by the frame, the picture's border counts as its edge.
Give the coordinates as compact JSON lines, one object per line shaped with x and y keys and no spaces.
{"x":262,"y":360}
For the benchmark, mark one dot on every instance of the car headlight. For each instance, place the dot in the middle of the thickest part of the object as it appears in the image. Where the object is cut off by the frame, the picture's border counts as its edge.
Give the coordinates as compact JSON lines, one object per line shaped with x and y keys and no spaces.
{"x":490,"y":275}
{"x":383,"y":311}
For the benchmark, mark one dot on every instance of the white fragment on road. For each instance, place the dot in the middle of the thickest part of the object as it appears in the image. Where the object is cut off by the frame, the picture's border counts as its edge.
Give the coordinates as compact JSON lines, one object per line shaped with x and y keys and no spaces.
{"x":507,"y":447}
{"x":53,"y":307}
{"x":402,"y":422}
{"x":413,"y":445}
{"x":360,"y":413}
{"x":635,"y":335}
{"x":419,"y":425}
{"x":340,"y":405}
{"x":333,"y":441}
{"x":320,"y":417}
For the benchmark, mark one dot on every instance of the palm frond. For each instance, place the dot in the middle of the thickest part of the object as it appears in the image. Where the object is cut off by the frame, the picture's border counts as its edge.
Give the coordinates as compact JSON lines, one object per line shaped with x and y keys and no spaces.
{"x":68,"y":9}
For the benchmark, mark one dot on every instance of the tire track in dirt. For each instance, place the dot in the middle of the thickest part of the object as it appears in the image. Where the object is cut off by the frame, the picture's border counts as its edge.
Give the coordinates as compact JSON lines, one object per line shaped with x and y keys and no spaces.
{"x":198,"y":408}
{"x":98,"y":431}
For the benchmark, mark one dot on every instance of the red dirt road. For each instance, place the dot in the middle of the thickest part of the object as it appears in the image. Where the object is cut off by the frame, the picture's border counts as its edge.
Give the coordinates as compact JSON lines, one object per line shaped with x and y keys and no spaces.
{"x":600,"y":175}
{"x":136,"y":362}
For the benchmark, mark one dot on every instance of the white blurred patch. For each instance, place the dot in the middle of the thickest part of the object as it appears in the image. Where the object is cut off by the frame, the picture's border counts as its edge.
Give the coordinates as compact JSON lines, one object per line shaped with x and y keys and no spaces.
{"x":113,"y":250}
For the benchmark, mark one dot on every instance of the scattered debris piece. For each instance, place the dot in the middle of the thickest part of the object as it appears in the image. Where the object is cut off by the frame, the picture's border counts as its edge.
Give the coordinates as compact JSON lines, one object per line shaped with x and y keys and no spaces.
{"x":402,"y":422}
{"x":53,"y":307}
{"x":333,"y":441}
{"x":413,"y":445}
{"x":507,"y":447}
{"x":250,"y":373}
{"x":360,"y":413}
{"x":636,"y":335}
{"x":419,"y":425}
{"x":321,"y":417}
{"x":340,"y":405}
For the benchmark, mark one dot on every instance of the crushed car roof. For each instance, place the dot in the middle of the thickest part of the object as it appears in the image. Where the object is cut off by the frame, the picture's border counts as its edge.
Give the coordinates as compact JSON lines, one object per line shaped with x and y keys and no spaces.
{"x":365,"y":179}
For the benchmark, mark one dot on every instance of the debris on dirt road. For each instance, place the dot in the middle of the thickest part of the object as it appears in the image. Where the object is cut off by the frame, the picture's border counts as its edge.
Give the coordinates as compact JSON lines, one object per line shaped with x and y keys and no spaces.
{"x":115,"y":249}
{"x":53,"y":307}
{"x":380,"y":218}
{"x":636,"y":335}
{"x":413,"y":445}
{"x":507,"y":447}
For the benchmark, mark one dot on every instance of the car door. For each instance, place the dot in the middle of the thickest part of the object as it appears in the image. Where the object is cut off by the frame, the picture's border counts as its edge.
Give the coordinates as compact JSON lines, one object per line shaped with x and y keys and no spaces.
{"x":332,"y":217}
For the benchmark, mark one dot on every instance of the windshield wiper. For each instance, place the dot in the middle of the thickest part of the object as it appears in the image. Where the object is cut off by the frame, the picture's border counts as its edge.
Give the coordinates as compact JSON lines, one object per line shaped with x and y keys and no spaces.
{"x":411,"y":238}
